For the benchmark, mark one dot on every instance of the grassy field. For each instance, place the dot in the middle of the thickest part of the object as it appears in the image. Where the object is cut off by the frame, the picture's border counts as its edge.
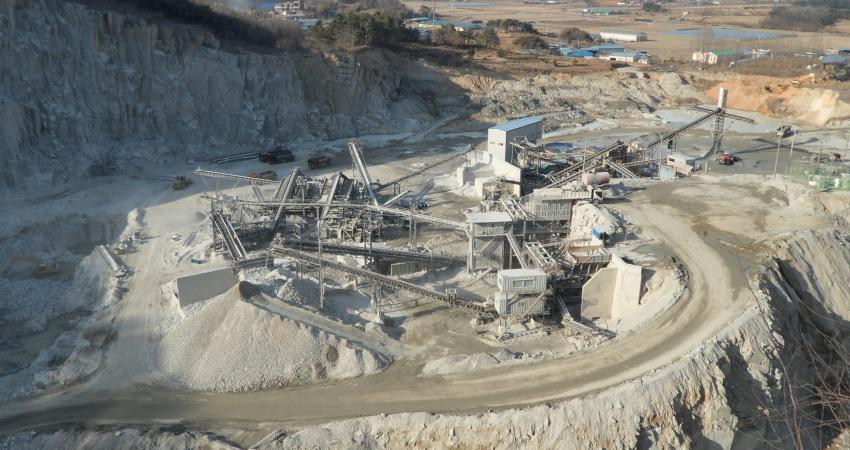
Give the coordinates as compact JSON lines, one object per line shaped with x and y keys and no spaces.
{"x":554,"y":17}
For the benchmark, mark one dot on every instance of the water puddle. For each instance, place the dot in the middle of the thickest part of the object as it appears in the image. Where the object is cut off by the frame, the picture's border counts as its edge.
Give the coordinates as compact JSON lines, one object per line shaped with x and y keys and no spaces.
{"x":18,"y":352}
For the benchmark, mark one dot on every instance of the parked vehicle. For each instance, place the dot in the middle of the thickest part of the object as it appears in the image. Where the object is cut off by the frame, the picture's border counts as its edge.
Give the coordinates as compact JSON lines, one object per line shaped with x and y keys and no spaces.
{"x":317,"y":162}
{"x":276,"y":155}
{"x":727,"y":159}
{"x":180,"y":182}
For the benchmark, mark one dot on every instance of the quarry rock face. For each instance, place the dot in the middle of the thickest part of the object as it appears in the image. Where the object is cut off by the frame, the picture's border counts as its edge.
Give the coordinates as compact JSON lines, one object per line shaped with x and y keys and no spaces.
{"x":86,"y":92}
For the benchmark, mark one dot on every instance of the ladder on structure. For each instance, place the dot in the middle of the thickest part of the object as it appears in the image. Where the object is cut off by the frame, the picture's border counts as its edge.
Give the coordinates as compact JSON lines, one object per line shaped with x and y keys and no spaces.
{"x":517,"y":250}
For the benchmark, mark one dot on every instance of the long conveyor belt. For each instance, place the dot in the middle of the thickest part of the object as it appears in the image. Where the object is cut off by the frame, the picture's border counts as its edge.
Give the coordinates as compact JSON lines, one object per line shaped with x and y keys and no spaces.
{"x":381,"y":252}
{"x":450,"y":299}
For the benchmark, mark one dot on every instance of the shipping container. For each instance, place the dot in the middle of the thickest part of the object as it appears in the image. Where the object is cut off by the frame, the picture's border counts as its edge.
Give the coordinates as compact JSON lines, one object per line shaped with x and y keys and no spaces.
{"x":521,"y":280}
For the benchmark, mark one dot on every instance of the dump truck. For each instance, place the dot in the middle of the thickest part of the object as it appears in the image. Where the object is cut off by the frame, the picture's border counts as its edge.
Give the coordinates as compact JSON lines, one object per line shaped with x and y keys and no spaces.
{"x":317,"y":162}
{"x":276,"y":155}
{"x":727,"y":159}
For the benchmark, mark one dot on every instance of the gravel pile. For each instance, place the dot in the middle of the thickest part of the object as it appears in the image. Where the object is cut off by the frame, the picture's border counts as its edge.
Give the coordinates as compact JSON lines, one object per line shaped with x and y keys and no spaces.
{"x":480,"y":361}
{"x":572,"y":101}
{"x":234,"y":345}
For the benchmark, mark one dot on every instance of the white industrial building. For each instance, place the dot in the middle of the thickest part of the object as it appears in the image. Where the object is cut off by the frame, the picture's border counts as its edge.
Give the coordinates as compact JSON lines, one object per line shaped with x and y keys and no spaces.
{"x":629,"y":57}
{"x":500,"y":136}
{"x":623,"y":35}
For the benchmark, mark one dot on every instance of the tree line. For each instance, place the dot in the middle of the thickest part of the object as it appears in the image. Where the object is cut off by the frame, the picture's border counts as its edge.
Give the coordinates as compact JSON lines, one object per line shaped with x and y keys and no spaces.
{"x":807,"y":15}
{"x":225,"y":23}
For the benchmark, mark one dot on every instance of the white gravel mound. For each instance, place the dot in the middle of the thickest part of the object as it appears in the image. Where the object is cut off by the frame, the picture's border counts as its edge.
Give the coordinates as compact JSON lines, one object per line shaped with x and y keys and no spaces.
{"x":477,"y":362}
{"x":231,"y":344}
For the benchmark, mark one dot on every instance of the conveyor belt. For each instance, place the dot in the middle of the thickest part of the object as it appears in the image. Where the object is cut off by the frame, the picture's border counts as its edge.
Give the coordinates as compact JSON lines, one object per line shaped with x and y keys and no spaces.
{"x":450,"y":299}
{"x":569,"y":322}
{"x":678,"y":131}
{"x":229,"y":236}
{"x":257,"y":193}
{"x":622,"y":170}
{"x":420,"y":171}
{"x":284,"y":189}
{"x":232,"y":177}
{"x":117,"y":270}
{"x":574,"y":171}
{"x":381,"y":252}
{"x":236,"y":157}
{"x":419,"y":217}
{"x":575,"y":175}
{"x":357,"y":157}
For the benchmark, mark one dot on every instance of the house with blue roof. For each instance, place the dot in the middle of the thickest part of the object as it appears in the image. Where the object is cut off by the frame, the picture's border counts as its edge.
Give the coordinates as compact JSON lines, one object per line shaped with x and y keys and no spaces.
{"x":604,"y":49}
{"x":837,"y":60}
{"x":579,"y":54}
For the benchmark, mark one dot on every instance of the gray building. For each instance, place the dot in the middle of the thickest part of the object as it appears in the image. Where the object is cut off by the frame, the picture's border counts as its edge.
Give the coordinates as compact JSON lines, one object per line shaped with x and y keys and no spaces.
{"x":500,"y":136}
{"x":487,"y":231}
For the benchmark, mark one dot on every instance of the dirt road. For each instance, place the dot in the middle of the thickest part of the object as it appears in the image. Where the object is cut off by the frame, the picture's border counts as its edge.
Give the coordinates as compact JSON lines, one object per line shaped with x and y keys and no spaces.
{"x":714,"y":298}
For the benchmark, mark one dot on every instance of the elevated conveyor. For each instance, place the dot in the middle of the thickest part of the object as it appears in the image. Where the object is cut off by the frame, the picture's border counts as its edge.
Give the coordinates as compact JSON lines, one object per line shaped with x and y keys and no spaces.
{"x":447,"y":298}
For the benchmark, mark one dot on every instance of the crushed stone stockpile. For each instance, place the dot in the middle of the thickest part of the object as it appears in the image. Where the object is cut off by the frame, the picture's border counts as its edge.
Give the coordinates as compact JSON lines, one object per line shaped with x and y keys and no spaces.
{"x":776,"y":97}
{"x":231,"y":344}
{"x":480,"y":361}
{"x":573,"y":99}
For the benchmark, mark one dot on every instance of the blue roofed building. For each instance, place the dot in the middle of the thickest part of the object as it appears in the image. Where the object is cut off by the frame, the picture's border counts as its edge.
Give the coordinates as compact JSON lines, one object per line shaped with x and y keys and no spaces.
{"x":605,"y":49}
{"x":579,"y":54}
{"x":834,"y":60}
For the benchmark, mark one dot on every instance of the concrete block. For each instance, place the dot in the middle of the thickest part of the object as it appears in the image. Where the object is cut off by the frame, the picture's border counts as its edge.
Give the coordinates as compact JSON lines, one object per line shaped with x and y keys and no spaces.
{"x":202,"y":286}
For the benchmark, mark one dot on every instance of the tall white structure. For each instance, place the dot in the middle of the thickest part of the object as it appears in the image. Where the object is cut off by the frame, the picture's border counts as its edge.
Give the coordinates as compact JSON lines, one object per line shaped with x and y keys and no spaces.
{"x":500,"y":136}
{"x":623,"y":35}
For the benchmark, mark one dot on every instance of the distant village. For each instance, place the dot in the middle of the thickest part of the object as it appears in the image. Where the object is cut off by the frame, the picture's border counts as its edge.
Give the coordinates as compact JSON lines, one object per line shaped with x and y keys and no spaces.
{"x":608,"y":45}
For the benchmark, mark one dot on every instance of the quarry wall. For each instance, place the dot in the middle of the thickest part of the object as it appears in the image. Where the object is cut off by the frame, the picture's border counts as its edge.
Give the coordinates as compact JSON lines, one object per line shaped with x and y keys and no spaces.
{"x":86,"y":92}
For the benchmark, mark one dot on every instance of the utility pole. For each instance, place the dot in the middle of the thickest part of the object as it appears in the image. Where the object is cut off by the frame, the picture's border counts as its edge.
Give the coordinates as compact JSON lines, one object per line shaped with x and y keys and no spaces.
{"x":433,"y":19}
{"x":844,"y":158}
{"x":778,"y":146}
{"x":321,"y":277}
{"x":791,"y":153}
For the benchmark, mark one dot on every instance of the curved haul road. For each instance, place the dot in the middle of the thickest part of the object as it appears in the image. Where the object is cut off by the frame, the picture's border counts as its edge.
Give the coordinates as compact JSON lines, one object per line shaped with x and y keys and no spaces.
{"x":713,"y":299}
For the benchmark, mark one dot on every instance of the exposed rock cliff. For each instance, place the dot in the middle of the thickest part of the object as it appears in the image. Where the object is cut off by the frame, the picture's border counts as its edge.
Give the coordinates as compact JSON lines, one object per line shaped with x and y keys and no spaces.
{"x":85,"y":91}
